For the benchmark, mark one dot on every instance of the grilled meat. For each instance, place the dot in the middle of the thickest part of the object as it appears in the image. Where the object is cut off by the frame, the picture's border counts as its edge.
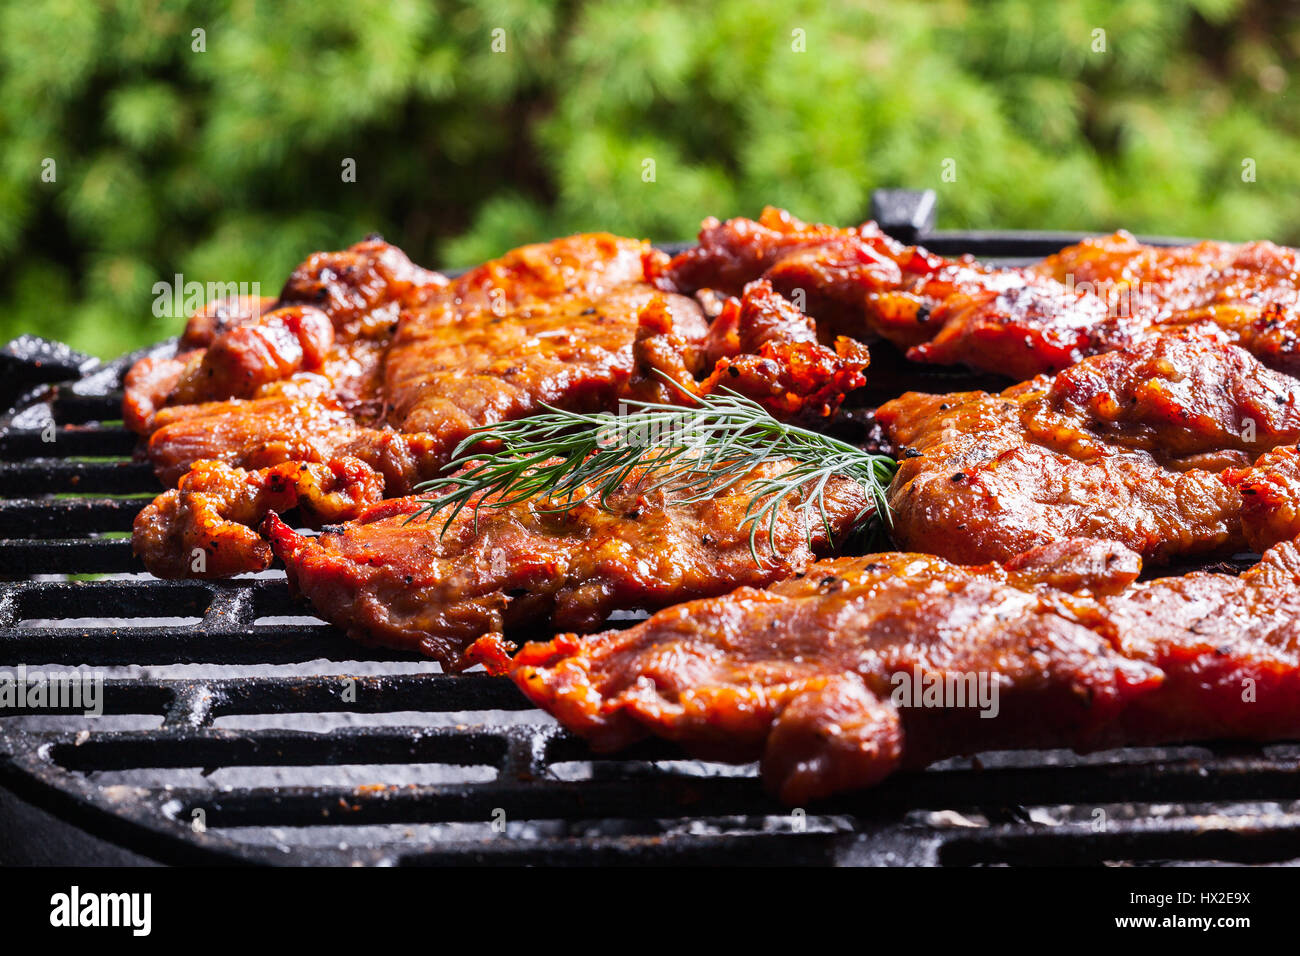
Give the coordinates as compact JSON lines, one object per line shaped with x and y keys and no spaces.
{"x":571,"y":324}
{"x":408,"y":351}
{"x":268,"y":349}
{"x":1250,"y":291}
{"x":202,"y":528}
{"x":801,"y":674}
{"x":391,"y":579}
{"x":552,"y":323}
{"x":240,"y":347}
{"x":734,"y":253}
{"x":860,"y":282}
{"x":818,"y":676}
{"x":1228,"y":647}
{"x":256,"y":433}
{"x":149,"y":383}
{"x":1270,"y":497}
{"x":1099,"y":295}
{"x":763,"y":347}
{"x":1135,"y":445}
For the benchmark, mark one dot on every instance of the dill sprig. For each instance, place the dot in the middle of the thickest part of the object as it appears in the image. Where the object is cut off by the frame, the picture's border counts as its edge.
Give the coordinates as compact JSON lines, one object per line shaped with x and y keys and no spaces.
{"x":693,"y":453}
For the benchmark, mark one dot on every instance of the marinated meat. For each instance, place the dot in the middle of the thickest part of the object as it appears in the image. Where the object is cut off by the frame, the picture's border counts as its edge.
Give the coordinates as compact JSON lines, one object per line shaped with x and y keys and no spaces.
{"x":364,"y":288}
{"x":863,"y":666}
{"x":764,"y":348}
{"x":253,"y":392}
{"x":148,"y":384}
{"x":1250,"y":291}
{"x":732,"y":254}
{"x":1096,"y":296}
{"x":801,"y":674}
{"x":268,"y":349}
{"x":1270,"y":497}
{"x":1228,"y":647}
{"x":1134,"y":445}
{"x":201,"y":529}
{"x":1020,"y":325}
{"x":570,"y":324}
{"x":400,"y":580}
{"x":360,"y":291}
{"x":548,"y":324}
{"x":860,"y":282}
{"x":759,"y":346}
{"x":252,"y":433}
{"x":412,"y":352}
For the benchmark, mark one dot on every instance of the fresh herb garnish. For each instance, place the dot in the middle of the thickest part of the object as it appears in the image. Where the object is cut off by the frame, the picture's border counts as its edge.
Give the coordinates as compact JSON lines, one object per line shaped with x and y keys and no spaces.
{"x":692,"y":453}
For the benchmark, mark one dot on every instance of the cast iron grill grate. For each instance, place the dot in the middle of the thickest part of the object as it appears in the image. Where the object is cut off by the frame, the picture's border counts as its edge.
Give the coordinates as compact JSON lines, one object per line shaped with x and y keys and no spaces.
{"x":237,"y":728}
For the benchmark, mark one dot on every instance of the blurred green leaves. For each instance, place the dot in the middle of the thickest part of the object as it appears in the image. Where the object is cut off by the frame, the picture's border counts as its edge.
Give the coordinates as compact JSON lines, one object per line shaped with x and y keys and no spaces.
{"x":225,"y":165}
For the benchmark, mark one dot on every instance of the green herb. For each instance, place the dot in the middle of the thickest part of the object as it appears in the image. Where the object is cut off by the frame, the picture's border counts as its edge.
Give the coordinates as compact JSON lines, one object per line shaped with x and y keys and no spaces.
{"x":692,"y":453}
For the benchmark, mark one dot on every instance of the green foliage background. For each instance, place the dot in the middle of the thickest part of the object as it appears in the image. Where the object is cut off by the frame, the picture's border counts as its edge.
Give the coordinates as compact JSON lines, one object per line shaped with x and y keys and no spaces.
{"x":225,"y":165}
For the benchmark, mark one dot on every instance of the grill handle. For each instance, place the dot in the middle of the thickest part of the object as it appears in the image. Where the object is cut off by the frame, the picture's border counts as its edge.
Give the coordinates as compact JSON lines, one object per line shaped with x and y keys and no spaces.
{"x":906,"y":214}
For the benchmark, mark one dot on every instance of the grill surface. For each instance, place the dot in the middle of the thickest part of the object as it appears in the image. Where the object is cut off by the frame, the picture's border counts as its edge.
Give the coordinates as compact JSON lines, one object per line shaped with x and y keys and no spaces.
{"x":236,"y":728}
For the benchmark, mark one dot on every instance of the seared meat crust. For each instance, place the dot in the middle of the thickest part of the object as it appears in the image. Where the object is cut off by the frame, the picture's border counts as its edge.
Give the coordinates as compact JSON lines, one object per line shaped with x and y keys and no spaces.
{"x":1099,"y":295}
{"x":149,"y":383}
{"x":1131,"y":445}
{"x":1251,"y":291}
{"x":201,"y":529}
{"x":234,"y":348}
{"x":552,"y":323}
{"x":801,"y":674}
{"x":1270,"y":497}
{"x":389,"y":579}
{"x":252,"y":433}
{"x":806,"y":674}
{"x":860,"y":282}
{"x":267,"y":349}
{"x":571,"y":324}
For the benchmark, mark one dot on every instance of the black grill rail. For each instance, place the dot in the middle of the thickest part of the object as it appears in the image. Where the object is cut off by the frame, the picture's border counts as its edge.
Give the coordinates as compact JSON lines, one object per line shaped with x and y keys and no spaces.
{"x":226,"y":765}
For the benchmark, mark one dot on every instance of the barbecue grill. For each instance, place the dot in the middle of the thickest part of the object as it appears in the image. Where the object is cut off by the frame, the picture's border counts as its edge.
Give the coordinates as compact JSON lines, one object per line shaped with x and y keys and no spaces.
{"x":237,"y":729}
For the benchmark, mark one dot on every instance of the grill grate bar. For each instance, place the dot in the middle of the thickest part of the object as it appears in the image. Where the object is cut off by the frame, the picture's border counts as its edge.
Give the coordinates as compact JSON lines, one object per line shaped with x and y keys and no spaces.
{"x":69,"y":407}
{"x":524,"y":755}
{"x":655,"y":798}
{"x":244,"y":696}
{"x":180,"y":645}
{"x":36,"y":518}
{"x":69,"y":441}
{"x":67,"y":556}
{"x":1243,"y":840}
{"x":174,"y":747}
{"x":735,"y":849}
{"x":190,"y":708}
{"x":54,"y":599}
{"x":58,"y":475}
{"x":225,"y":634}
{"x":658,"y":795}
{"x":232,"y":610}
